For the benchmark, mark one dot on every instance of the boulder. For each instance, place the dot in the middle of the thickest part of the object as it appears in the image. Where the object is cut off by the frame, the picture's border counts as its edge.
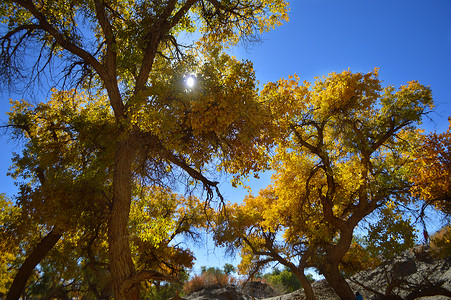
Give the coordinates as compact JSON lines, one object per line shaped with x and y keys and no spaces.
{"x":230,"y":292}
{"x":413,"y":274}
{"x":258,"y":290}
{"x":416,"y":274}
{"x":252,"y":290}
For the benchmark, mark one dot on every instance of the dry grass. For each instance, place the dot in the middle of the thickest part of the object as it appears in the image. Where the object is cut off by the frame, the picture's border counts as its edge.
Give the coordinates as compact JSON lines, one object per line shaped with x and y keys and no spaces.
{"x":205,"y":280}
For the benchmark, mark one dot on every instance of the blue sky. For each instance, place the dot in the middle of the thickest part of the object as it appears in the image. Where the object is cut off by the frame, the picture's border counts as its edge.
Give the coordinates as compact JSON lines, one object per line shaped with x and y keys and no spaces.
{"x":406,"y":39}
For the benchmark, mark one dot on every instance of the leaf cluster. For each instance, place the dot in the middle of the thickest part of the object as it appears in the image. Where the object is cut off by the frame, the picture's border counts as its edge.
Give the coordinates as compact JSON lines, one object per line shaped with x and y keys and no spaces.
{"x":65,"y":160}
{"x":430,"y":173}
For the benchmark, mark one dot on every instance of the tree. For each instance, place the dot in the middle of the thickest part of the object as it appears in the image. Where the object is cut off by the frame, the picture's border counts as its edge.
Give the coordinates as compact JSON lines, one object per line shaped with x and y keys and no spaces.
{"x":247,"y":227}
{"x":64,"y":170}
{"x":167,"y":290}
{"x":430,"y":174}
{"x":285,"y":279}
{"x":340,"y":157}
{"x":129,"y":51}
{"x":228,"y":269}
{"x":67,"y":182}
{"x":391,"y":234}
{"x":80,"y":257}
{"x":9,"y":247}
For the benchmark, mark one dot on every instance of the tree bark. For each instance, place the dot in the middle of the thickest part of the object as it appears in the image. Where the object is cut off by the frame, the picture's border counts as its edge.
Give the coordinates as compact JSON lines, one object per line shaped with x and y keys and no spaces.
{"x":121,"y":263}
{"x":428,"y":291}
{"x":308,"y":290}
{"x":333,"y":257}
{"x":34,"y":258}
{"x":337,"y":282}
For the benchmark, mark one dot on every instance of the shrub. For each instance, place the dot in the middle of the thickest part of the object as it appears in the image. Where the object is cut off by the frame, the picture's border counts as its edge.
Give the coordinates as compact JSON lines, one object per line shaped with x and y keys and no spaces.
{"x":208,"y":278}
{"x":441,"y":242}
{"x":283,"y":281}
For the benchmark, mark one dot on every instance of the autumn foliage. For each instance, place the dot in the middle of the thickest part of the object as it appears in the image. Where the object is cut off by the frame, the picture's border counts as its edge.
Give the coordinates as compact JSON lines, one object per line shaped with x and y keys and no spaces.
{"x":121,"y":163}
{"x":431,"y":173}
{"x":339,"y":159}
{"x":208,"y":279}
{"x":441,"y":242}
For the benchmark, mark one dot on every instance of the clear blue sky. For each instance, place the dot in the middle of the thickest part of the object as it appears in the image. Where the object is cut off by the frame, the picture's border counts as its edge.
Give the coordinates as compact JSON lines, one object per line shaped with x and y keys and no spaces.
{"x":406,"y":39}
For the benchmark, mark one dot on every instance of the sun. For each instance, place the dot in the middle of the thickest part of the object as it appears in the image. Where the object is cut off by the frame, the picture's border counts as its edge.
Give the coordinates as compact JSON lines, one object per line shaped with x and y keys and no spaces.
{"x":190,"y":81}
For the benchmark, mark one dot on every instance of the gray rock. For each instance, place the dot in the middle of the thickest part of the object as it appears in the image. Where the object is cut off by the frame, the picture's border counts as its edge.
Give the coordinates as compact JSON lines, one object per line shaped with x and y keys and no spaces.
{"x":415,"y":274}
{"x":218,"y":293}
{"x":258,"y":290}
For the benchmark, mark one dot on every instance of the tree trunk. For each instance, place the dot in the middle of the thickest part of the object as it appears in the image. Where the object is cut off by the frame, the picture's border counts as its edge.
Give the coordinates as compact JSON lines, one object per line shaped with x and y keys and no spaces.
{"x":337,"y":282}
{"x":308,"y":290}
{"x":121,"y":263}
{"x":34,"y":258}
{"x":333,"y":257}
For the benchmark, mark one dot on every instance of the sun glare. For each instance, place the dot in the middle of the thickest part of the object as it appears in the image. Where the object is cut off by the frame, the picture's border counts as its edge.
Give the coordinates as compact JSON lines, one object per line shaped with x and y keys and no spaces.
{"x":190,"y":81}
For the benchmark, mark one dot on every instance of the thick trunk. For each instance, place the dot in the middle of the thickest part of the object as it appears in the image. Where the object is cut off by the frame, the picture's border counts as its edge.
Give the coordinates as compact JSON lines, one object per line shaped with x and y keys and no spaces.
{"x":308,"y":290}
{"x":334,"y":256}
{"x":121,"y":263}
{"x":35,"y":257}
{"x":337,"y":282}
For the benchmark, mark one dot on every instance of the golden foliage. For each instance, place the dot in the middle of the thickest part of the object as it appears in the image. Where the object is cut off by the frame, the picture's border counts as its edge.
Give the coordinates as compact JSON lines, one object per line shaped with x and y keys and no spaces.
{"x":432,"y":171}
{"x":9,"y":244}
{"x":391,"y":234}
{"x":441,"y":242}
{"x":131,"y":55}
{"x":157,"y":217}
{"x":358,"y":258}
{"x":340,"y":155}
{"x":66,"y":157}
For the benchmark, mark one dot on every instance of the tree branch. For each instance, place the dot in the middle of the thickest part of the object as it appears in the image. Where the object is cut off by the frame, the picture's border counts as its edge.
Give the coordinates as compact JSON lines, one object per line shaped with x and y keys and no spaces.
{"x":59,"y":37}
{"x":146,"y":275}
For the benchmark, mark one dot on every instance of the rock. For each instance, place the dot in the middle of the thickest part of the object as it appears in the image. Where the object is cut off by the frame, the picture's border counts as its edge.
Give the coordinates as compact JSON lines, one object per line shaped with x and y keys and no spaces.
{"x":407,"y":275}
{"x":258,"y":290}
{"x":415,"y":274}
{"x":403,"y":268}
{"x":297,"y":295}
{"x":231,"y":292}
{"x":252,"y":290}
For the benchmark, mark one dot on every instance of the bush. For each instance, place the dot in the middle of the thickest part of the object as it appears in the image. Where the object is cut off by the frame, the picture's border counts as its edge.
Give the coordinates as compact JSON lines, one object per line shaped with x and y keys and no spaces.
{"x":441,"y":242}
{"x":164,"y":290}
{"x":208,"y":278}
{"x":283,"y":281}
